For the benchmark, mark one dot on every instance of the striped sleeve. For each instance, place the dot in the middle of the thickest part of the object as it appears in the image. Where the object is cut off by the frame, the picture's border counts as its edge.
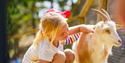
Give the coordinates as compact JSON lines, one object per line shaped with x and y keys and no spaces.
{"x":72,"y":38}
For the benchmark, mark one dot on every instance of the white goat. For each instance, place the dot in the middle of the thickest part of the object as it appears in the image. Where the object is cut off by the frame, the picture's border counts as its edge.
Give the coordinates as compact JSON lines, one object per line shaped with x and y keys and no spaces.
{"x":96,"y":47}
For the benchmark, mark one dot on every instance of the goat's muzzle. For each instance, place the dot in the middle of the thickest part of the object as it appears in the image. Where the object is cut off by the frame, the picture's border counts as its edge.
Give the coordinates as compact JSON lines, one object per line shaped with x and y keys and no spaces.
{"x":118,"y":43}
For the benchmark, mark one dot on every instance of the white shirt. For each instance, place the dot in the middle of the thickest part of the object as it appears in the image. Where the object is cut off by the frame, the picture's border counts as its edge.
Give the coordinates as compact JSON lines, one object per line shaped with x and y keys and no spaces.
{"x":44,"y":51}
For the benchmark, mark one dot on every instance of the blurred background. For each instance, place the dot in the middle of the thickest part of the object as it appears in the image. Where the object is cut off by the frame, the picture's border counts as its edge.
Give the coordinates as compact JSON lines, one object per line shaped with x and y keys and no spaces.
{"x":23,"y":17}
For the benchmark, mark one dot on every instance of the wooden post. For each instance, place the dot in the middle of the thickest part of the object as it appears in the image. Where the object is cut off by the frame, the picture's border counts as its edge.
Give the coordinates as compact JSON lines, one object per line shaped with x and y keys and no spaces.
{"x":85,"y":10}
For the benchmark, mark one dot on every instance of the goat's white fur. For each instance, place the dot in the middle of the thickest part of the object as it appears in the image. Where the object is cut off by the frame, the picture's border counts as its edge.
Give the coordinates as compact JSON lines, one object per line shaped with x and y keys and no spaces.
{"x":99,"y":43}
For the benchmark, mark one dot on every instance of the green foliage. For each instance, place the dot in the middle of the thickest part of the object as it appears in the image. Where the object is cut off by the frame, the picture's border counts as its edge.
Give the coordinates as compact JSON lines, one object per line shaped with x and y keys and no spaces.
{"x":20,"y":17}
{"x":23,"y":17}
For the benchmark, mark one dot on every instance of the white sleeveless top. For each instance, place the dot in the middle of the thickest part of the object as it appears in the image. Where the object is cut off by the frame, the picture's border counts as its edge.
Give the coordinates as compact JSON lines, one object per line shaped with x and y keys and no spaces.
{"x":44,"y":51}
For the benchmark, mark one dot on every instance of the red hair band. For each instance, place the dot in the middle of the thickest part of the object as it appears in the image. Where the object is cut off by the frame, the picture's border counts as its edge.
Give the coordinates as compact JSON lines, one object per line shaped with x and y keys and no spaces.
{"x":65,"y":13}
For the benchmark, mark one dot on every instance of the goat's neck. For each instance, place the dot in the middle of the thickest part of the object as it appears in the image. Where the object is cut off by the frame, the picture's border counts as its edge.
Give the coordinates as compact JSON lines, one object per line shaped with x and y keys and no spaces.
{"x":97,"y":37}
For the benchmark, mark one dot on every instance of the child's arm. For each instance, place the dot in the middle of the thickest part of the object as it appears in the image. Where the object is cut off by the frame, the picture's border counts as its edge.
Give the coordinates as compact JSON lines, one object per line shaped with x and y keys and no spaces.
{"x":74,"y":32}
{"x":81,"y":28}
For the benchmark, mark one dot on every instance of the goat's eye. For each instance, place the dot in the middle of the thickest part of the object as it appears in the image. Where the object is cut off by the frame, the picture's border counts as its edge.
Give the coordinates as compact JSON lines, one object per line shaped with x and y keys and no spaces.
{"x":108,"y":31}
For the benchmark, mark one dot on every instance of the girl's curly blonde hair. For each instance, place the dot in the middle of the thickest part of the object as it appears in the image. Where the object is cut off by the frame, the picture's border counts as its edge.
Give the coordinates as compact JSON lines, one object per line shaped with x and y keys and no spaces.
{"x":49,"y":25}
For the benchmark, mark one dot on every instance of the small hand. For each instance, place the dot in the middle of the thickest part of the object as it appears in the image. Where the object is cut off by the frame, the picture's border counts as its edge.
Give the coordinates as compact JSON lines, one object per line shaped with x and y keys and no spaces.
{"x":86,"y":29}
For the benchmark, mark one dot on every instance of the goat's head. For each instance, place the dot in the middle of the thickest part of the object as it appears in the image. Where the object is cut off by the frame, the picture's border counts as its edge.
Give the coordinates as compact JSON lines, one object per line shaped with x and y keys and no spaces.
{"x":107,"y":30}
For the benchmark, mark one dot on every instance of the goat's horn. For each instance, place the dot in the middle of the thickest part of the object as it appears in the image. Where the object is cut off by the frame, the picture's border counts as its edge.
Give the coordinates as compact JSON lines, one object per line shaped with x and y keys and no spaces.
{"x":103,"y":14}
{"x":108,"y":16}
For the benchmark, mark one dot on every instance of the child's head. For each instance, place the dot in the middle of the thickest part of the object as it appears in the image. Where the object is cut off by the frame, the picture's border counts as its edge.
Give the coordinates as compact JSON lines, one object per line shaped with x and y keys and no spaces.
{"x":52,"y":26}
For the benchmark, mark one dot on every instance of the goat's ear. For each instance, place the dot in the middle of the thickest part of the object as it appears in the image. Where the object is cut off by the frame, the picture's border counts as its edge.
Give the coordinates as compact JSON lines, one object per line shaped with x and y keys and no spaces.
{"x":107,"y":30}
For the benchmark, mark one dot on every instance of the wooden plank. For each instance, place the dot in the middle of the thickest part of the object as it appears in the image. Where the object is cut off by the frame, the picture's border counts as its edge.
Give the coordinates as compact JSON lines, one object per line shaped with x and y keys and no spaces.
{"x":85,"y":10}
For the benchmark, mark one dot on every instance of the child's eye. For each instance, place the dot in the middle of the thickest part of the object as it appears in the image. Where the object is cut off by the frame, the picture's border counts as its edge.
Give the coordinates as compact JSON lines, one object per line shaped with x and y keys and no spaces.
{"x":63,"y":34}
{"x":66,"y":33}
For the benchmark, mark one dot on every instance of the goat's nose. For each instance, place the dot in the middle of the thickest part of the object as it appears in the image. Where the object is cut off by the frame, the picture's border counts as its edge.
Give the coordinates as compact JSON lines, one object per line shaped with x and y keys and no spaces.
{"x":120,"y":41}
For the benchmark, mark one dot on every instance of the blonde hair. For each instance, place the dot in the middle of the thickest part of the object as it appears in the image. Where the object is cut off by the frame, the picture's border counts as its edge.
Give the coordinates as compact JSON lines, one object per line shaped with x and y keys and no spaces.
{"x":49,"y":24}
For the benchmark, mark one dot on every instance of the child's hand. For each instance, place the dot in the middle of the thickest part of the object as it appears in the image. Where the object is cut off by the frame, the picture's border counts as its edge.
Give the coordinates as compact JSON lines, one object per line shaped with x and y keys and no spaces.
{"x":81,"y":28}
{"x":86,"y":28}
